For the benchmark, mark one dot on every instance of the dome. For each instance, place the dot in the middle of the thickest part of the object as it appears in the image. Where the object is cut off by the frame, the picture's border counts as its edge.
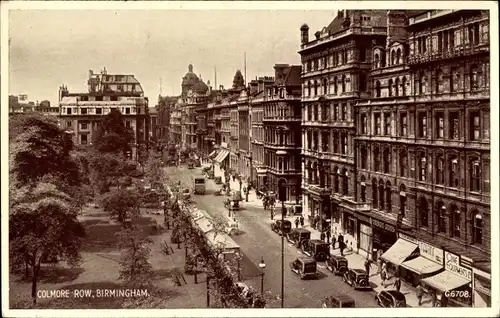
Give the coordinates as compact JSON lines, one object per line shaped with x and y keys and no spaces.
{"x":200,"y":87}
{"x":190,"y":78}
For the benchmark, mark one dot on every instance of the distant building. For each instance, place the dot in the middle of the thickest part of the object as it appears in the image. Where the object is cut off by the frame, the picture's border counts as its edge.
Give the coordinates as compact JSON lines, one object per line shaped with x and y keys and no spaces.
{"x":81,"y":113}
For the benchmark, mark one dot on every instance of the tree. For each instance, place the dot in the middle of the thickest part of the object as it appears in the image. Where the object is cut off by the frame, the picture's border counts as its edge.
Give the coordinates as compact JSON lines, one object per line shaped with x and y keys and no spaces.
{"x":135,"y":266}
{"x":112,"y":136}
{"x":42,"y":224}
{"x":38,"y":148}
{"x":153,"y":169}
{"x":106,"y":169}
{"x":121,"y":203}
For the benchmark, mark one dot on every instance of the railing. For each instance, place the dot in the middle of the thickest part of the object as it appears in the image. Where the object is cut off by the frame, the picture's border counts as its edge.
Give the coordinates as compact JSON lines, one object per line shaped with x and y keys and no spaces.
{"x":458,"y":51}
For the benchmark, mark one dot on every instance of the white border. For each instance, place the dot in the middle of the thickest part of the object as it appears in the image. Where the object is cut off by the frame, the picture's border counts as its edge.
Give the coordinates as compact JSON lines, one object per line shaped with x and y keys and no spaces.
{"x":256,"y":5}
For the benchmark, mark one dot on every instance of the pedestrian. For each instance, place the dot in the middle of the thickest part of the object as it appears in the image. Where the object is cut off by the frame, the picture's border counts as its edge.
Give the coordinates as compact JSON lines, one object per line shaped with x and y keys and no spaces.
{"x":334,"y":240}
{"x":272,"y":214}
{"x":341,"y":247}
{"x":384,"y":267}
{"x":397,"y":283}
{"x":420,"y":293}
{"x":433,"y":298}
{"x":367,"y":268}
{"x":383,"y":277}
{"x":379,"y":263}
{"x":328,"y":235}
{"x":296,"y":222}
{"x":322,"y":236}
{"x":301,"y":220}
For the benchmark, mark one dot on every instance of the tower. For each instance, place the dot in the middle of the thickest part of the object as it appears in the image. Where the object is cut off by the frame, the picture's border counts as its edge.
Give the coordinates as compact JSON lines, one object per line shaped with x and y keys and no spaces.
{"x":304,"y":33}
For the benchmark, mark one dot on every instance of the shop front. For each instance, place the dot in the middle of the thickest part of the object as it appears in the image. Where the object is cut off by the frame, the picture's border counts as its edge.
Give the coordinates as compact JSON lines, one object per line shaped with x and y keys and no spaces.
{"x":398,"y":253}
{"x":453,"y":285}
{"x":481,"y":288}
{"x":429,"y":262}
{"x":384,"y":236}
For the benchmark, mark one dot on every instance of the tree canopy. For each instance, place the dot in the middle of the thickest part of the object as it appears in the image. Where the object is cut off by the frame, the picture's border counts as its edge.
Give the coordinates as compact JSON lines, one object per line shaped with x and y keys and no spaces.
{"x":120,"y":203}
{"x":112,"y":136}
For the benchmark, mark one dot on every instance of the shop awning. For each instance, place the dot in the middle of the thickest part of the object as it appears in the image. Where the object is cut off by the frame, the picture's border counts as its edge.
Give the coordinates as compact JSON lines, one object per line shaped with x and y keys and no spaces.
{"x":422,"y":265}
{"x":221,"y":156}
{"x":445,"y":281}
{"x":223,"y":241}
{"x":212,"y":154}
{"x":399,"y":252}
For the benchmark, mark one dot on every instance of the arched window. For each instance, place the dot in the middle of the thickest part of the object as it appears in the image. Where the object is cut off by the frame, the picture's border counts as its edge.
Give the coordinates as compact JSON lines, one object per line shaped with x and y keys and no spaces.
{"x":374,"y":193}
{"x":475,"y":175}
{"x":309,"y":89}
{"x":441,"y":217}
{"x":455,"y":221}
{"x":474,"y":77}
{"x":363,"y":189}
{"x":345,"y":182}
{"x":393,"y":57}
{"x":387,"y":160}
{"x":423,"y":211}
{"x":439,"y":81}
{"x":396,"y":87}
{"x":398,"y":57}
{"x":422,"y":83}
{"x":325,"y":86}
{"x":403,"y":163}
{"x":422,"y":167}
{"x":364,"y":158}
{"x":309,"y":173}
{"x":381,"y":194}
{"x":477,"y":235}
{"x":439,"y":169}
{"x":402,"y":200}
{"x":343,"y":83}
{"x":377,"y":89}
{"x":389,"y":87}
{"x":388,"y":197}
{"x":377,"y":60}
{"x":403,"y":86}
{"x":336,"y":173}
{"x":315,"y":88}
{"x":376,"y":159}
{"x":453,"y":172}
{"x":335,"y":88}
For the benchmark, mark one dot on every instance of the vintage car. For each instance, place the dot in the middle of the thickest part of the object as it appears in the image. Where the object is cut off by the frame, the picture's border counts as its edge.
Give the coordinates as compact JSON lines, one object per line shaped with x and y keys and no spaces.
{"x":298,"y":236}
{"x":304,"y":267}
{"x":357,"y":278}
{"x":281,"y":227}
{"x":317,"y":249}
{"x":218,"y":180}
{"x":391,"y":298}
{"x":337,"y":264}
{"x":339,"y":301}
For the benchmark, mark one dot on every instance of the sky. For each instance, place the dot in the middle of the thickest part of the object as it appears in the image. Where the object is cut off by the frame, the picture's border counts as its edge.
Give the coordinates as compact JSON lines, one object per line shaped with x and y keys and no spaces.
{"x":53,"y":47}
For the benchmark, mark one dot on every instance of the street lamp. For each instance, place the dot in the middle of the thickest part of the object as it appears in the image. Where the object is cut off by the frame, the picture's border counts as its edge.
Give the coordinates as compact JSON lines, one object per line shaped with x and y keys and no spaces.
{"x":262,"y":266}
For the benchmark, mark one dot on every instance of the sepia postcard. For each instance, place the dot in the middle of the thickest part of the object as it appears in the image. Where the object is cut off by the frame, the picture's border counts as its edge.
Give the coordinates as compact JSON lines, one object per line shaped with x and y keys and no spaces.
{"x":271,"y":158}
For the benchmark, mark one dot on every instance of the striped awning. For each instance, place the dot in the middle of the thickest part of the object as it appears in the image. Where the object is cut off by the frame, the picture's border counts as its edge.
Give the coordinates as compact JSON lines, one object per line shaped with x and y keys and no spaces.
{"x":221,"y":156}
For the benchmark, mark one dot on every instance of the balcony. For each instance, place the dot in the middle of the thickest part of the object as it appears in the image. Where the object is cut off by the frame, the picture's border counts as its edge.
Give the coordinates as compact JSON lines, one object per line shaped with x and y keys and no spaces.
{"x":456,"y":52}
{"x":322,"y":191}
{"x":355,"y":206}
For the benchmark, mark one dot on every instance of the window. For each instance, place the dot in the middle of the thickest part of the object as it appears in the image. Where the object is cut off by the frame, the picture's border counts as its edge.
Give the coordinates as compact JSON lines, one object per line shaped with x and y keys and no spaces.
{"x":478,"y":229}
{"x":439,"y":169}
{"x":422,"y":83}
{"x":393,"y":57}
{"x":439,"y":81}
{"x":403,"y":163}
{"x":316,"y":112}
{"x":315,"y":141}
{"x":423,"y":212}
{"x":389,"y":87}
{"x":387,"y":160}
{"x":377,"y":60}
{"x":344,"y":111}
{"x":363,"y":189}
{"x":336,"y":179}
{"x":475,"y":175}
{"x":422,"y":124}
{"x":98,"y":110}
{"x":100,"y":98}
{"x":403,"y":86}
{"x":364,"y":124}
{"x":68,"y":111}
{"x":388,"y":197}
{"x":343,"y":84}
{"x":454,"y":171}
{"x":456,"y":219}
{"x":127,"y":110}
{"x":345,"y":143}
{"x":377,"y":124}
{"x":387,"y":124}
{"x":474,"y":125}
{"x":325,"y":86}
{"x":381,"y":197}
{"x":403,"y":124}
{"x":335,"y":142}
{"x":342,"y":143}
{"x":396,"y":87}
{"x":336,"y":112}
{"x":362,"y":82}
{"x":422,"y":168}
{"x":309,"y":112}
{"x":374,"y":193}
{"x":441,"y":220}
{"x":454,"y":125}
{"x":315,"y":88}
{"x":127,"y":123}
{"x":83,"y":139}
{"x":473,"y":77}
{"x":398,"y":56}
{"x":376,"y":159}
{"x":83,"y":111}
{"x":69,"y":124}
{"x":364,"y":158}
{"x":345,"y":182}
{"x":335,"y":88}
{"x":377,"y":89}
{"x":308,"y":89}
{"x":84,"y":126}
{"x":362,"y":54}
{"x":402,"y":200}
{"x":325,"y":138}
{"x":439,"y":124}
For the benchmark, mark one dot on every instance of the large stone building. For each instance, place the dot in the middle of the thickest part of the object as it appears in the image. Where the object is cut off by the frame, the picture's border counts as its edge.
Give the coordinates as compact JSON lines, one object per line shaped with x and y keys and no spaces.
{"x":81,"y":113}
{"x":416,"y":185}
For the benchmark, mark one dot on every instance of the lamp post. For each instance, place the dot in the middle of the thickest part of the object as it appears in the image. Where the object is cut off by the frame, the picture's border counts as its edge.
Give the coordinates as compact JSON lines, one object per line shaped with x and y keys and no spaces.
{"x":282,"y":197}
{"x":262,"y":266}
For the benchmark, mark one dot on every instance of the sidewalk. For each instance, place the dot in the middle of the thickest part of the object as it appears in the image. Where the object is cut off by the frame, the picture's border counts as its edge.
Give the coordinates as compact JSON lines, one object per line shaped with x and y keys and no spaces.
{"x":357,"y":261}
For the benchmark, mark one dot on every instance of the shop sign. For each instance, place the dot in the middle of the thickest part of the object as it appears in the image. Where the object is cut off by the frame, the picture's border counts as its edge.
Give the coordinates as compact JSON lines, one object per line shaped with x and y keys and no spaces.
{"x":383,"y":226}
{"x":426,"y":250}
{"x":407,"y":238}
{"x":466,"y":262}
{"x":452,"y":263}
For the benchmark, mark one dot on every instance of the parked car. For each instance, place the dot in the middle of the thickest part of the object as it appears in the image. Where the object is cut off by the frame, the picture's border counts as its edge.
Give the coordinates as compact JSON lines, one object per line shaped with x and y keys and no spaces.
{"x":304,"y":267}
{"x":317,"y":249}
{"x":339,"y":301}
{"x":281,"y":227}
{"x":337,"y":264}
{"x":357,"y":278}
{"x":298,"y":236}
{"x":390,"y":298}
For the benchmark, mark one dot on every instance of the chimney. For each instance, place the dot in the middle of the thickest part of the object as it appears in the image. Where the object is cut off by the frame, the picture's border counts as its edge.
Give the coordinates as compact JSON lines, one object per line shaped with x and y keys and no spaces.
{"x":317,"y":34}
{"x":304,"y":33}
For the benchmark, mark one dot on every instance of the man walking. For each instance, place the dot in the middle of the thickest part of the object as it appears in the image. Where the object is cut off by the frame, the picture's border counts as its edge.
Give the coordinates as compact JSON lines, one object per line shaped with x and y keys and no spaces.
{"x":301,"y":220}
{"x":341,"y":244}
{"x":420,"y":293}
{"x":334,"y":240}
{"x":433,"y":298}
{"x":379,"y":263}
{"x":322,"y":236}
{"x":383,"y":277}
{"x":397,"y":283}
{"x":367,"y":268}
{"x":328,"y":235}
{"x":296,"y":222}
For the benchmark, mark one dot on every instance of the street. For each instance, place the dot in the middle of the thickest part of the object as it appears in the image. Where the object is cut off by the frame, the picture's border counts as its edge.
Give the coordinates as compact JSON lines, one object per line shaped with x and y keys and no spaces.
{"x":257,"y":242}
